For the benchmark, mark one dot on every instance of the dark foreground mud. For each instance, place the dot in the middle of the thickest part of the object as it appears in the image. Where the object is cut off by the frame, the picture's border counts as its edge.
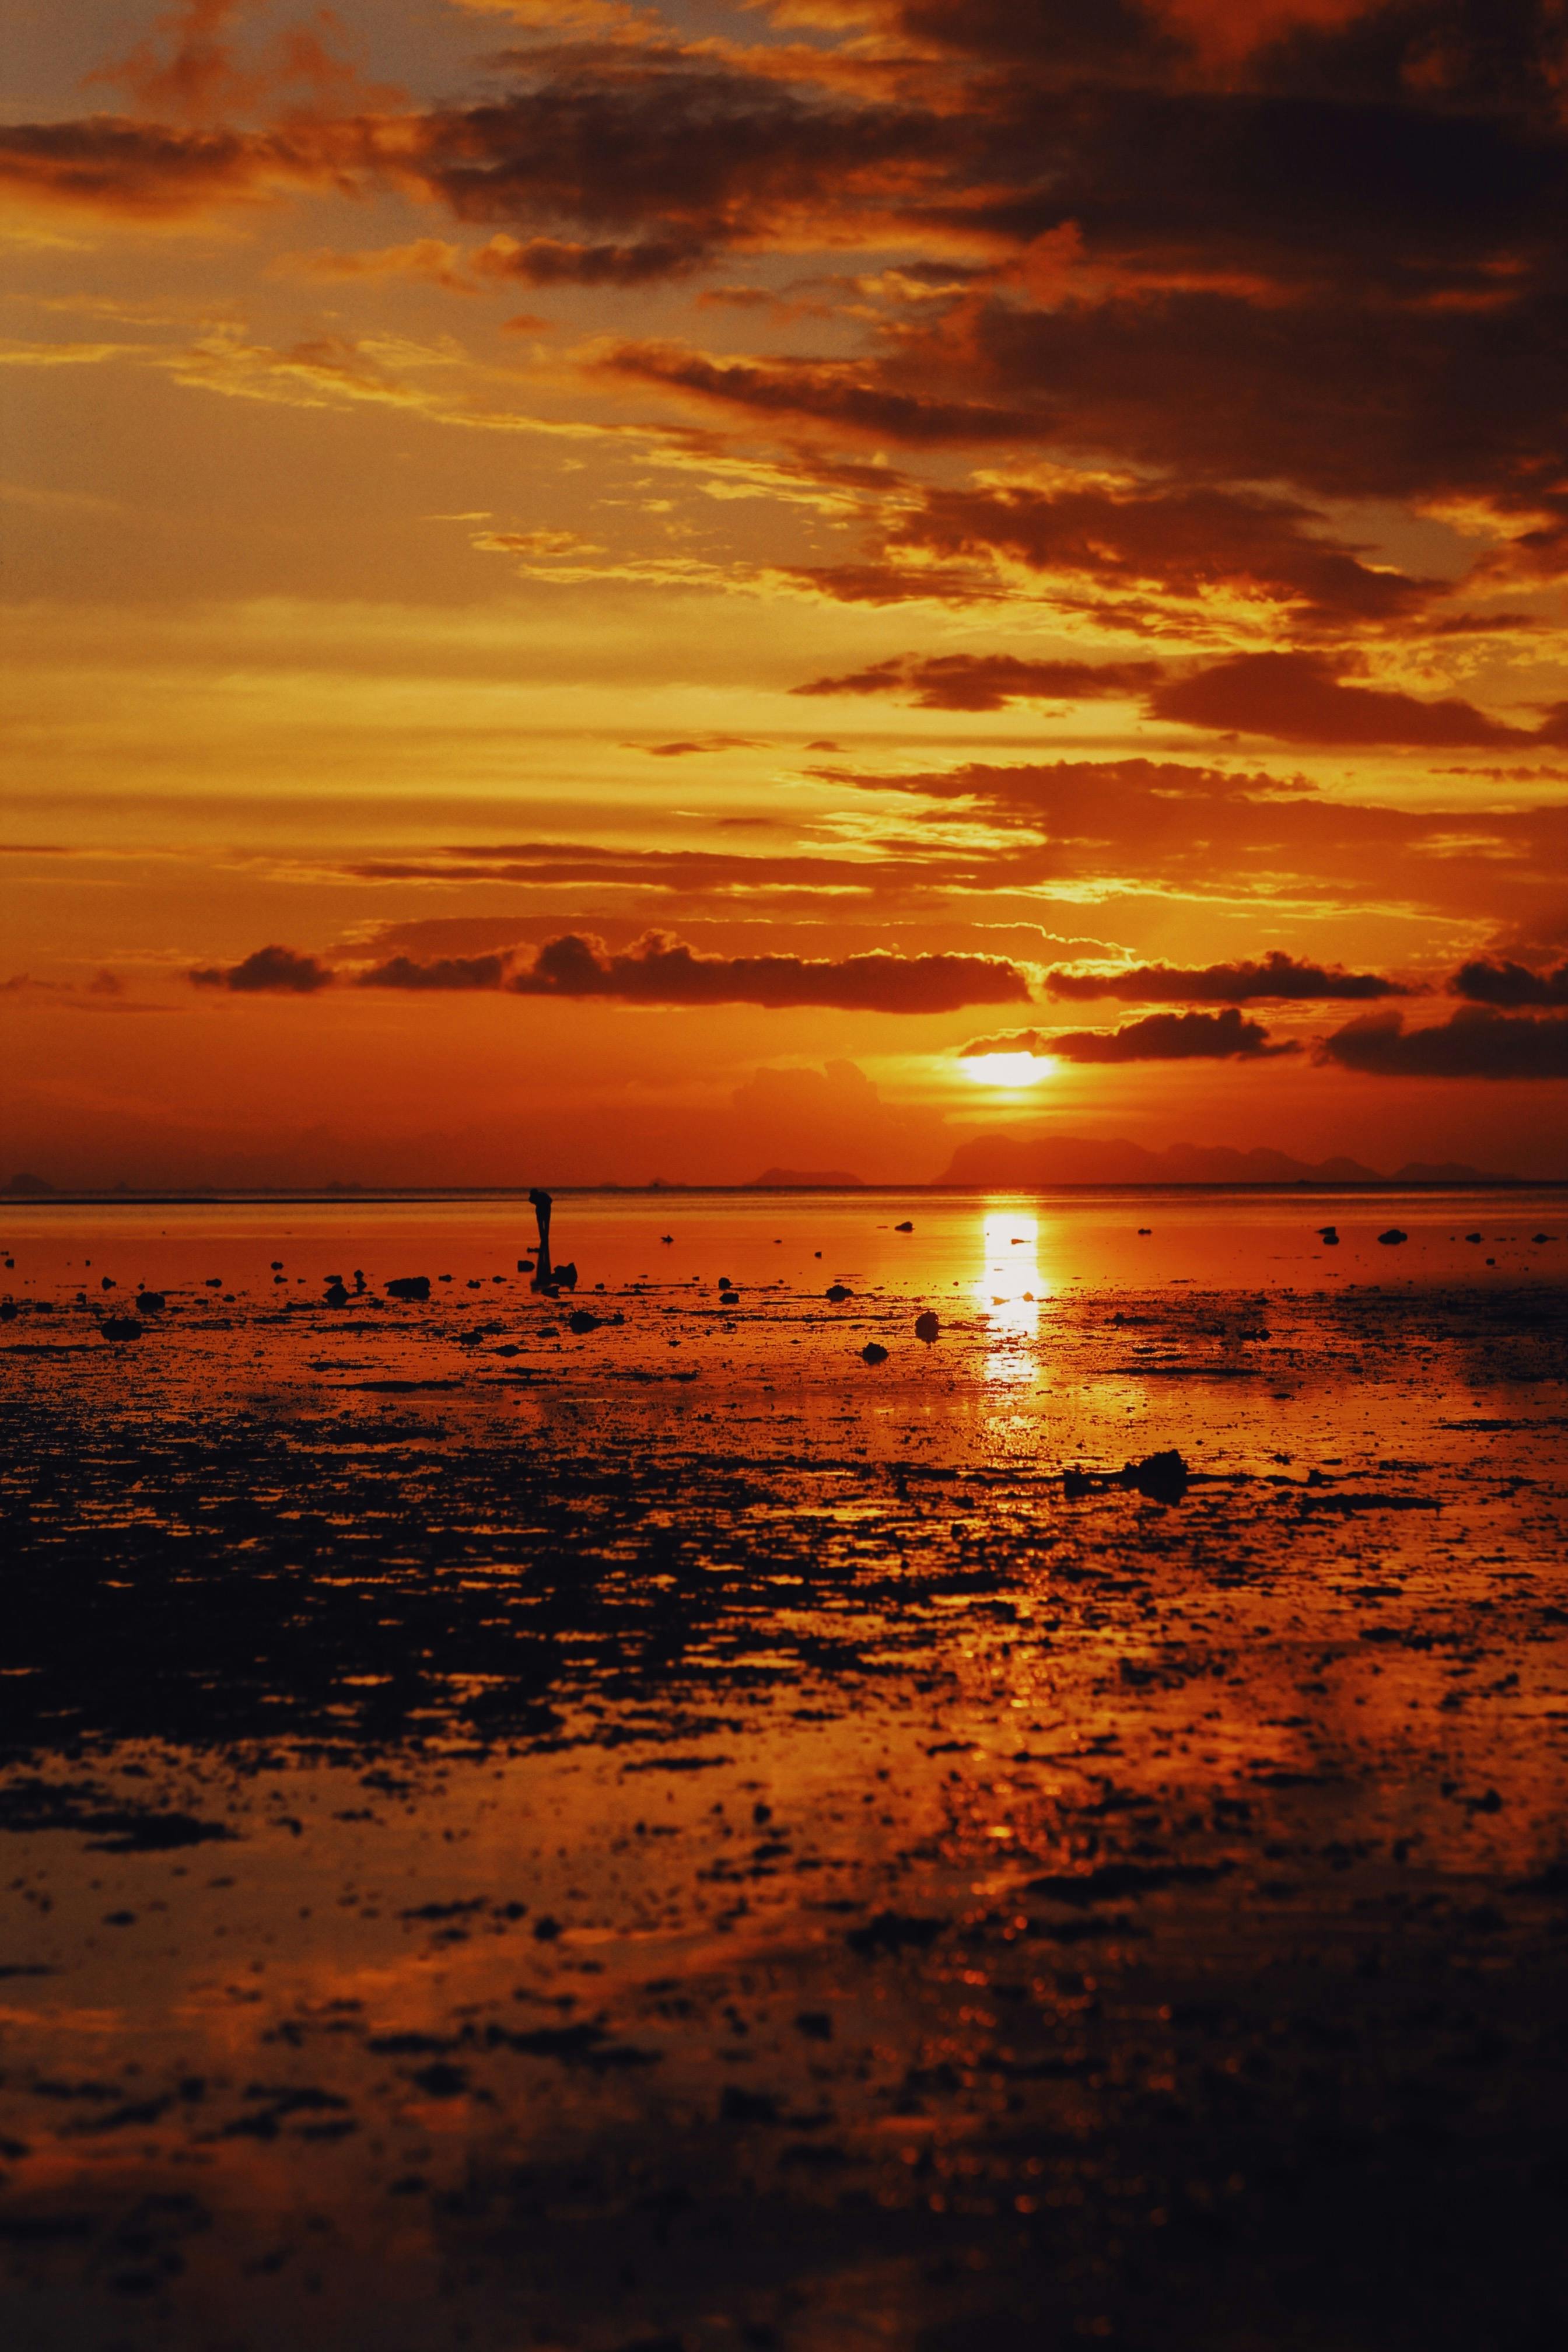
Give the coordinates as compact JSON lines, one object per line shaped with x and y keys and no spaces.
{"x":672,"y":1835}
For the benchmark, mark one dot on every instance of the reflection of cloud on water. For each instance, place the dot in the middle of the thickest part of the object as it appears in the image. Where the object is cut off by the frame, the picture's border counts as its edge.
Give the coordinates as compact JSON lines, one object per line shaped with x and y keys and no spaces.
{"x":1009,"y":1291}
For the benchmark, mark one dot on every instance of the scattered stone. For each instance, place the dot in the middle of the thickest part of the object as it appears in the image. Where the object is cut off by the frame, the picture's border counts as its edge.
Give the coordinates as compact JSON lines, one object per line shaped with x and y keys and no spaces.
{"x":1164,"y":1477}
{"x":409,"y":1286}
{"x":1329,"y":1236}
{"x":894,"y":1931}
{"x":905,"y":1228}
{"x":150,"y":1302}
{"x":336,"y":1295}
{"x":874,"y":1354}
{"x":928,"y":1327}
{"x":839,"y":1291}
{"x":1393,"y":1237}
{"x":121,"y":1326}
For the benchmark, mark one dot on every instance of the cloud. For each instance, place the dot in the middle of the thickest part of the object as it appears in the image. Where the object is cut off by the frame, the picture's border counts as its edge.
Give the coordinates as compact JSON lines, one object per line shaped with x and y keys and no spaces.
{"x":1280,"y":977}
{"x":430,"y":260}
{"x":440,"y":973}
{"x":1161,"y":1037}
{"x":556,"y":261}
{"x":1195,"y":544}
{"x":1511,"y":985}
{"x":273,"y":971}
{"x":1476,"y":1042}
{"x":988,"y":681}
{"x":659,"y":969}
{"x":1300,"y":697}
{"x":842,"y":392}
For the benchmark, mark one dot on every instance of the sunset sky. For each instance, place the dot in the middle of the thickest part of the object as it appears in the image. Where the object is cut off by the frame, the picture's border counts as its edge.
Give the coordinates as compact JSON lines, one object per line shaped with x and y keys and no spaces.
{"x":602,"y":592}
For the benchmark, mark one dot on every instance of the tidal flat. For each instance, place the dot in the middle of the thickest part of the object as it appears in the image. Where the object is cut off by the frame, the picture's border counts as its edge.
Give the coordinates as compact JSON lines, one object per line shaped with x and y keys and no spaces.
{"x":668,"y":1836}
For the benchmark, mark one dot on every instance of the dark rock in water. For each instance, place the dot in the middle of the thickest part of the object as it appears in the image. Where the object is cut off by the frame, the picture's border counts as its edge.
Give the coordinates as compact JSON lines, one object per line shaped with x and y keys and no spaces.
{"x":107,"y":1282}
{"x":905,"y":1228}
{"x":729,"y":1298}
{"x":874,"y":1354}
{"x":525,"y":1266}
{"x":1145,"y":1233}
{"x":7,"y":1310}
{"x":564,"y":1278}
{"x":1543,"y":1237}
{"x":336,"y":1295}
{"x":725,"y":1281}
{"x":894,"y":1931}
{"x":1161,"y":1476}
{"x":838,"y":1290}
{"x":214,"y":1282}
{"x":928,"y":1327}
{"x":1472,"y":1237}
{"x":1164,"y":1477}
{"x":1393,"y":1237}
{"x":1329,"y":1236}
{"x":276,"y":1265}
{"x":580,"y":1319}
{"x":150,"y":1302}
{"x":121,"y":1326}
{"x":409,"y":1286}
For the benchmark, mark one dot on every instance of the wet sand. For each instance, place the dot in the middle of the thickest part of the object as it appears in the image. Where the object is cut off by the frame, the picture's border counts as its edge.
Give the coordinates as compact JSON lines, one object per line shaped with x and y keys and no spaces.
{"x":673,"y":1836}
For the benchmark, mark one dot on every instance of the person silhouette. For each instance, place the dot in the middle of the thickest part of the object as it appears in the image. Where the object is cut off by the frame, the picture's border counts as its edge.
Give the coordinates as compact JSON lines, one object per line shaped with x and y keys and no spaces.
{"x":542,"y":1208}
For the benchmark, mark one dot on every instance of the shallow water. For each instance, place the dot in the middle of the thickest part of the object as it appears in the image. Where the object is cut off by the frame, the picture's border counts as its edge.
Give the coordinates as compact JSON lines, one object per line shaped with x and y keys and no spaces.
{"x":672,"y":1833}
{"x":975,"y":1245}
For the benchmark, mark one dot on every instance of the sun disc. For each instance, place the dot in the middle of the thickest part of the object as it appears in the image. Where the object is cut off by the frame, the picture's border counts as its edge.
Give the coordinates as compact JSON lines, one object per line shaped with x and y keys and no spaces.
{"x":1012,"y":1070}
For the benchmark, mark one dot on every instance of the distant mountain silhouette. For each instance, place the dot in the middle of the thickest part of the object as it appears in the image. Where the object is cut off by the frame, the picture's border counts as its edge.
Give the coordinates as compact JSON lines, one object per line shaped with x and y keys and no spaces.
{"x":804,"y":1180}
{"x":1029,"y":1162}
{"x":27,"y":1188}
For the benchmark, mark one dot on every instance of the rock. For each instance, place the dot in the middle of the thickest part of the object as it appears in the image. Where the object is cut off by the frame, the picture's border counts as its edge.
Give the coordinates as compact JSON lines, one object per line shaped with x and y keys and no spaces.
{"x":7,"y":1310}
{"x":894,"y":1931}
{"x":1543,"y":1237}
{"x":1328,"y":1236}
{"x":564,"y":1278}
{"x":1161,"y":1476}
{"x":725,"y":1283}
{"x":409,"y":1286}
{"x":336,"y":1295}
{"x":121,"y":1326}
{"x":1145,"y":1233}
{"x":150,"y":1302}
{"x":839,"y":1291}
{"x":1472,"y":1237}
{"x":1393,"y":1237}
{"x":525,"y":1266}
{"x":928,"y":1327}
{"x":580,"y":1319}
{"x":874,"y":1354}
{"x":729,"y":1298}
{"x":905,"y":1228}
{"x":1164,"y":1477}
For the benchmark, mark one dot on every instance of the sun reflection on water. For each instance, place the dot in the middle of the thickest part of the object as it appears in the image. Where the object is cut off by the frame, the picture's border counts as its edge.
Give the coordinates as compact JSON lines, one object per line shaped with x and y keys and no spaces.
{"x":1009,"y":1291}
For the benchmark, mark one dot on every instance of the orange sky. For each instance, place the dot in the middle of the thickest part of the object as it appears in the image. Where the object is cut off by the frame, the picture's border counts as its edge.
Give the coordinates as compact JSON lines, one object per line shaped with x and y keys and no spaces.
{"x":597,"y":590}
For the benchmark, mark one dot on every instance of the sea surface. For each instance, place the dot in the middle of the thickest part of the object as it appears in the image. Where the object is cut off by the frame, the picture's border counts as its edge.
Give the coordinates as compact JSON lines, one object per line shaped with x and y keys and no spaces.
{"x":650,"y":1817}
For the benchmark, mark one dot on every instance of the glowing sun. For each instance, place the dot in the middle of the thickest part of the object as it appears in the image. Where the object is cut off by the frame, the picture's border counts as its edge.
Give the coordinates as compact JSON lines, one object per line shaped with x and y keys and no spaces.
{"x":1011,"y":1070}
